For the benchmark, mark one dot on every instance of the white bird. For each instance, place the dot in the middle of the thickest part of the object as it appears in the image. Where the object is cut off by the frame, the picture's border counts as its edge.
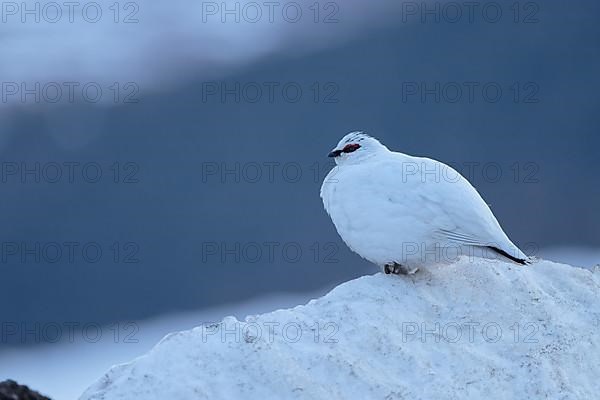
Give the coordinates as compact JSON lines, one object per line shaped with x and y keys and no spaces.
{"x":402,"y":212}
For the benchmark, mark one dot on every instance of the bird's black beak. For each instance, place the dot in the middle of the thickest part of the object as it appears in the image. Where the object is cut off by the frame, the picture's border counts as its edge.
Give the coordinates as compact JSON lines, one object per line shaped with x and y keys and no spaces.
{"x":334,"y":153}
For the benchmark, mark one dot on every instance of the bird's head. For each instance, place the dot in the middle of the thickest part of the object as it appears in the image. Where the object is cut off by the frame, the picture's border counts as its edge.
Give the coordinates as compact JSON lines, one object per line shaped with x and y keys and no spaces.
{"x":356,"y":147}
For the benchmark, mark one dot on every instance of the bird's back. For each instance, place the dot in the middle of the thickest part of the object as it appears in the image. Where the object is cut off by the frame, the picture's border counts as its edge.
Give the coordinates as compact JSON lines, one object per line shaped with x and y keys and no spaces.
{"x":461,"y":214}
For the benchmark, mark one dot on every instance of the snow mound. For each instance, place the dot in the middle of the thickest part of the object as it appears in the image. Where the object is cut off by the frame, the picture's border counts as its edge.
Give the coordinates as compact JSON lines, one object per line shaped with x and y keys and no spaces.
{"x":473,"y":329}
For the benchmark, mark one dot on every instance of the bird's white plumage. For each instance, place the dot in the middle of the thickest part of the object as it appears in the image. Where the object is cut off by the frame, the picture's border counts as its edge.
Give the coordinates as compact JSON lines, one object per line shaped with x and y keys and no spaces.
{"x":393,"y":208}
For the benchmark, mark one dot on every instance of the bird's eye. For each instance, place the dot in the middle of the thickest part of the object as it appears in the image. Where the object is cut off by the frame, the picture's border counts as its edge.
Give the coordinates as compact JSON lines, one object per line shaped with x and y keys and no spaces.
{"x":349,"y":148}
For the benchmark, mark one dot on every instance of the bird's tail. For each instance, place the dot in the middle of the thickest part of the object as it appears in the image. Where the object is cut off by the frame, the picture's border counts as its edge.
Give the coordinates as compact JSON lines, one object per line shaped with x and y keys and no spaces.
{"x":518,"y":260}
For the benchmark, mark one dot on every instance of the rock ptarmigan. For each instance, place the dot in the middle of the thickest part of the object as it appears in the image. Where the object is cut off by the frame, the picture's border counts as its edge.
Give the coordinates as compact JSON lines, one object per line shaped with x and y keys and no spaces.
{"x":402,"y":212}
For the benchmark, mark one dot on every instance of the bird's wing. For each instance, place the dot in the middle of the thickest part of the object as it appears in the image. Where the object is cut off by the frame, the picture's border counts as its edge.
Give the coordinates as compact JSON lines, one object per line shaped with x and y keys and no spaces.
{"x":457,"y":214}
{"x":458,"y":237}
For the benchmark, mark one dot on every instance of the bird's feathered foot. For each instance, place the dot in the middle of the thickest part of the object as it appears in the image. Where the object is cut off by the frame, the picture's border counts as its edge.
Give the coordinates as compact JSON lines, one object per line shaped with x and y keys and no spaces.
{"x":398,"y":269}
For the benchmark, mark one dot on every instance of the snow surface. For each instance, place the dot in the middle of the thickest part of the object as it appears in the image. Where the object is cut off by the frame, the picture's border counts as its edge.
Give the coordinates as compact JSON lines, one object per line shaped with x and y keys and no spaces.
{"x":474,"y":329}
{"x":57,"y":370}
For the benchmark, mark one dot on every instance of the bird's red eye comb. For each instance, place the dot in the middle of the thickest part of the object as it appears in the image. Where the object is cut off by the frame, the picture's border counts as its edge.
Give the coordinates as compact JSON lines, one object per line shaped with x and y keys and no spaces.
{"x":349,"y":148}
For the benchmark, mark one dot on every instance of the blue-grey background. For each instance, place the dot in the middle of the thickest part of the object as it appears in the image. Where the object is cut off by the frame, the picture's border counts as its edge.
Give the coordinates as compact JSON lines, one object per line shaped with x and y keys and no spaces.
{"x":171,"y":208}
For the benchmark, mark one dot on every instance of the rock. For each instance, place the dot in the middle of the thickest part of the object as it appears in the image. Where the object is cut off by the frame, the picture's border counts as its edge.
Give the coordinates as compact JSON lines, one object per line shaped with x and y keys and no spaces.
{"x":11,"y":390}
